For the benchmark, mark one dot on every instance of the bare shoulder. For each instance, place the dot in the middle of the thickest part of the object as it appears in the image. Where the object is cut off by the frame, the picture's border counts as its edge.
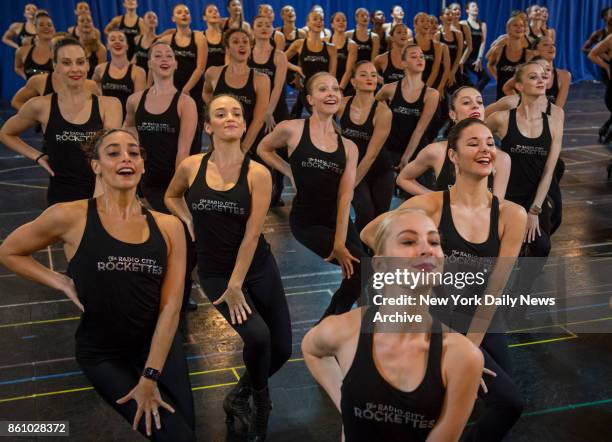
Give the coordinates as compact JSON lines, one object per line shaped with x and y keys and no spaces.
{"x":169,"y":225}
{"x":338,"y":329}
{"x":430,"y":202}
{"x":258,"y":171}
{"x":435,"y":150}
{"x":431,"y":94}
{"x":350,"y":147}
{"x":213,"y":72}
{"x":510,"y":212}
{"x":63,"y":216}
{"x":459,"y":351}
{"x":109,"y":102}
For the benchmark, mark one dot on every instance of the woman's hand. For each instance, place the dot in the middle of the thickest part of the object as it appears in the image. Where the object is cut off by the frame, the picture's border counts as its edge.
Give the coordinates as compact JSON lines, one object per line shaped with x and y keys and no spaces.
{"x":238,"y":307}
{"x":344,"y":258}
{"x":269,"y":122}
{"x":68,"y":288}
{"x":482,"y":382}
{"x":44,"y":163}
{"x":533,"y":227}
{"x":477,"y":65}
{"x":146,"y":394}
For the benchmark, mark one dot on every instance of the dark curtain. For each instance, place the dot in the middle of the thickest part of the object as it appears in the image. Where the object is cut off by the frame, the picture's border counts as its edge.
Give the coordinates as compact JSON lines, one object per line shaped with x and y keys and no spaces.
{"x":574,"y":21}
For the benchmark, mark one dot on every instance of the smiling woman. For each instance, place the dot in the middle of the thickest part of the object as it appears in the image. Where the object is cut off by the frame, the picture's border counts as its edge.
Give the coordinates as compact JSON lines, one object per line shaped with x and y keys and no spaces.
{"x":69,"y":118}
{"x":126,"y":268}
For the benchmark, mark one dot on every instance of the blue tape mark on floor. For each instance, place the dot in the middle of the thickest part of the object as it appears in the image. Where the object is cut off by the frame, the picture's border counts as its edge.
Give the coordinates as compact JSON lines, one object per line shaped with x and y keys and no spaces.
{"x":40,"y":378}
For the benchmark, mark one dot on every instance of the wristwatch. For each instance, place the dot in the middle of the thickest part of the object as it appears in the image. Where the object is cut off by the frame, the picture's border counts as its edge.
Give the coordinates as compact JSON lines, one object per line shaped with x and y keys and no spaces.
{"x":151,"y":373}
{"x":535,"y":209}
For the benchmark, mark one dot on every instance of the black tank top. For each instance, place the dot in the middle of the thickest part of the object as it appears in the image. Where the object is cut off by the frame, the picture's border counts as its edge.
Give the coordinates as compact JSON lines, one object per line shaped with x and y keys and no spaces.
{"x":364,"y":48}
{"x":405,"y":118}
{"x":391,"y":72}
{"x":382,"y":37}
{"x":506,"y":70}
{"x":219,"y":219}
{"x":187,"y":61}
{"x":120,"y":88}
{"x":314,"y":170}
{"x":73,"y":178}
{"x":49,"y":85}
{"x":361,"y":136}
{"x":553,"y":92}
{"x":476,"y":39}
{"x":430,"y":57}
{"x":269,"y":69}
{"x":130,"y":34}
{"x":374,"y":410}
{"x":31,"y":68}
{"x":453,"y":47}
{"x":119,"y":284}
{"x":246,"y":94}
{"x":296,"y":58}
{"x":23,"y":34}
{"x":528,"y":157}
{"x":455,"y":247}
{"x":93,"y":62}
{"x":142,"y":55}
{"x":158,"y":135}
{"x":216,"y":53}
{"x":341,"y":61}
{"x":313,"y":62}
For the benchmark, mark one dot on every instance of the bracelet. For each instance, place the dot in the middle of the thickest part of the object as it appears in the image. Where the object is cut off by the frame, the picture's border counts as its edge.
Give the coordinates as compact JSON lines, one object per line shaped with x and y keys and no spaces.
{"x":39,"y":157}
{"x":151,"y":373}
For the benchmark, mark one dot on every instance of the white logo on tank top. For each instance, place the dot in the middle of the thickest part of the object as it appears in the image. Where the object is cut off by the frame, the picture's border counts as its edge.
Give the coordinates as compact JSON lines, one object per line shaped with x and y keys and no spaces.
{"x":129,"y":264}
{"x":389,"y":414}
{"x":317,"y":163}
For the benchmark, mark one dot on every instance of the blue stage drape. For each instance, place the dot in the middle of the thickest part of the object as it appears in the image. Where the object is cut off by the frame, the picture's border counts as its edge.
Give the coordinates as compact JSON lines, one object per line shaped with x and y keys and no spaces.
{"x":574,"y":21}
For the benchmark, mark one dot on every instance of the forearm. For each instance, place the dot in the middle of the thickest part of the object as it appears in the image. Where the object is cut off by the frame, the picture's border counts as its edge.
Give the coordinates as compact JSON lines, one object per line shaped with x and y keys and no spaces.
{"x":543,"y":186}
{"x":27,"y":267}
{"x":598,"y":61}
{"x":327,"y":373}
{"x":163,"y":336}
{"x":243,"y":260}
{"x":342,"y":218}
{"x":16,"y":144}
{"x":412,"y":186}
{"x":274,"y":160}
{"x":193,"y":80}
{"x":252,"y":132}
{"x":10,"y":42}
{"x":274,"y":97}
{"x":178,"y":207}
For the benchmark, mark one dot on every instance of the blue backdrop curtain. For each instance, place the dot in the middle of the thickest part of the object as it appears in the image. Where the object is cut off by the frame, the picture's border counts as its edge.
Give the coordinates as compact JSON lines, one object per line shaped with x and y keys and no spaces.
{"x":574,"y":21}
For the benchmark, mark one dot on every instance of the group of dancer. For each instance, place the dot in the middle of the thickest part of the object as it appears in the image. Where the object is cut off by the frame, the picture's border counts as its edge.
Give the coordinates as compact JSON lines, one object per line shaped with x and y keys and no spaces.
{"x":132,"y":238}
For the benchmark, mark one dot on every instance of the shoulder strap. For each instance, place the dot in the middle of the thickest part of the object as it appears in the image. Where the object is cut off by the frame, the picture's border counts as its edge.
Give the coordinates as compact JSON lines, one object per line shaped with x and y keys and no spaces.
{"x":143,"y":99}
{"x":423,"y":91}
{"x":494,"y":227}
{"x":244,"y":169}
{"x":434,"y":358}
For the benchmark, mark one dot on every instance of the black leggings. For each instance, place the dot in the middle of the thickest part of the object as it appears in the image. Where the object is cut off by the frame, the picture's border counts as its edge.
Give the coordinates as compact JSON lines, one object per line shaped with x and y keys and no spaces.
{"x":482,"y":78}
{"x":372,"y":197}
{"x":113,"y":378}
{"x":503,"y":402}
{"x":155,"y":198}
{"x":319,"y":238}
{"x":267,"y":331}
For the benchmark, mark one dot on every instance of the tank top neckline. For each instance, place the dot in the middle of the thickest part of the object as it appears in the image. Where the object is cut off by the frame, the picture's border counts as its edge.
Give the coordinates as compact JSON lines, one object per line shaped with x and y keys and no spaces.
{"x":173,"y":40}
{"x":311,"y":51}
{"x":347,"y":108}
{"x":400,"y":93}
{"x":494,"y":206}
{"x":505,"y":54}
{"x":143,"y":99}
{"x":512,"y":121}
{"x":210,"y":42}
{"x":204,"y":165}
{"x":125,"y":76}
{"x":31,"y":55}
{"x":94,"y":102}
{"x":433,"y":353}
{"x":306,"y":133}
{"x":222,"y":78}
{"x":271,"y":56}
{"x":92,"y":209}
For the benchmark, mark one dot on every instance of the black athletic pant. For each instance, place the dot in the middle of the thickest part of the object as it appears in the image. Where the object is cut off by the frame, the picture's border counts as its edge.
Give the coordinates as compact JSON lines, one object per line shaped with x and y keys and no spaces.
{"x":267,"y":331}
{"x":372,"y":197}
{"x":319,"y":238}
{"x":503,"y":402}
{"x":115,"y":377}
{"x":155,"y":198}
{"x":482,"y":78}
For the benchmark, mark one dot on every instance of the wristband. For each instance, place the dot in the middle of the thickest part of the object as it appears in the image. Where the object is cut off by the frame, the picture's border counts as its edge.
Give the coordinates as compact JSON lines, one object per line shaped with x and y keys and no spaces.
{"x":39,"y":157}
{"x":535,"y":209}
{"x":151,"y":373}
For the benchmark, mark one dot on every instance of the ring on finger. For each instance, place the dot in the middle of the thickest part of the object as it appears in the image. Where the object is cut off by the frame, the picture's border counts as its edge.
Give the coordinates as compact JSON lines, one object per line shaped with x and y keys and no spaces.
{"x":155,"y":413}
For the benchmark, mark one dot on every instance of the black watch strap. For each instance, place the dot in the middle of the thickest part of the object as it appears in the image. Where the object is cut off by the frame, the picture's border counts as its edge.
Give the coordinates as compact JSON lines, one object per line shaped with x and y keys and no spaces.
{"x":151,"y":373}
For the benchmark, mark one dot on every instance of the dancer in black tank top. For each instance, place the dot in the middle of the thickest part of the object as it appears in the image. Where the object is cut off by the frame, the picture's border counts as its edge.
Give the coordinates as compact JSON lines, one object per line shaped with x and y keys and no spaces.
{"x":236,"y":17}
{"x":123,"y":269}
{"x":237,"y":79}
{"x":320,"y":220}
{"x":291,"y":33}
{"x":237,"y":271}
{"x":63,"y":136}
{"x":90,"y":39}
{"x":558,"y":92}
{"x":478,"y":33}
{"x":191,"y":52}
{"x":454,"y":42}
{"x":374,"y":179}
{"x":132,"y":30}
{"x":378,"y":22}
{"x":346,"y":50}
{"x":368,"y":44}
{"x":35,"y":58}
{"x":81,"y":8}
{"x":17,"y":33}
{"x":143,"y":42}
{"x":130,"y":79}
{"x":466,"y":102}
{"x":382,"y":395}
{"x":462,"y":214}
{"x":432,"y":50}
{"x":315,"y":55}
{"x":410,"y":118}
{"x":502,"y":68}
{"x":387,"y":63}
{"x":213,"y":37}
{"x":277,"y":38}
